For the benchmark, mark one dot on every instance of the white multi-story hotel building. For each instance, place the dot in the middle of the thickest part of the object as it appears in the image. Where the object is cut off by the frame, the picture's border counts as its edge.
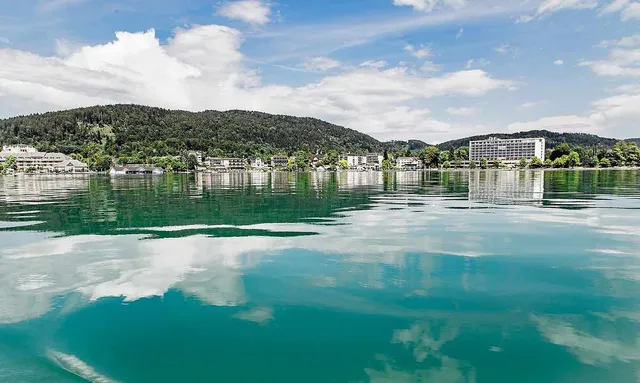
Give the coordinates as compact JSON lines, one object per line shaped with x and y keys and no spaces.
{"x":509,"y":151}
{"x":29,"y":158}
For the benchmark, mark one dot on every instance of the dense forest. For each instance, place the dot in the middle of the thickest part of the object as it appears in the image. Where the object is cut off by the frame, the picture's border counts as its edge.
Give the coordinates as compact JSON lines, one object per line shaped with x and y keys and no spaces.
{"x":552,"y":139}
{"x":129,"y":129}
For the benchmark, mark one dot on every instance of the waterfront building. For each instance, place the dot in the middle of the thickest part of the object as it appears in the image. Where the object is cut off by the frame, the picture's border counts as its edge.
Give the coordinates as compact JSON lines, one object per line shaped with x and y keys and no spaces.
{"x":374,"y":160}
{"x":257,"y":163}
{"x":410,"y":163}
{"x":30,"y":159}
{"x":509,"y":151}
{"x":354,"y":160}
{"x":279,"y":161}
{"x":234,"y":163}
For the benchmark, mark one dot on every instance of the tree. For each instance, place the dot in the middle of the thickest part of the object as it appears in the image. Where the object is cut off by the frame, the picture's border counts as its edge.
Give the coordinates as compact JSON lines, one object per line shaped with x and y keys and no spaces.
{"x":561,"y":162}
{"x":472,"y":164}
{"x":462,"y":153}
{"x":443,"y":157}
{"x":559,"y":151}
{"x":446,"y":164}
{"x":458,"y":163}
{"x":536,"y":163}
{"x":484,"y":163}
{"x":497,"y":164}
{"x":605,"y":163}
{"x":344,"y":164}
{"x":548,"y":163}
{"x":387,"y":164}
{"x":573,"y":159}
{"x":430,"y":156}
{"x":523,"y":163}
{"x":302,"y":159}
{"x":192,"y":162}
{"x":10,"y":163}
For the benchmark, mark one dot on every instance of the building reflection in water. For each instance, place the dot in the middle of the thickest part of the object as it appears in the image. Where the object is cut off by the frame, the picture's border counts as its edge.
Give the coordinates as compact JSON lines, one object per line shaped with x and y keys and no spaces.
{"x":506,"y":187}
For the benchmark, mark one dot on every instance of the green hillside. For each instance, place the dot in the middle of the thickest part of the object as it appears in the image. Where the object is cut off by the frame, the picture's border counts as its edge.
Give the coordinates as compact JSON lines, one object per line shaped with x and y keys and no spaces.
{"x":130,"y":129}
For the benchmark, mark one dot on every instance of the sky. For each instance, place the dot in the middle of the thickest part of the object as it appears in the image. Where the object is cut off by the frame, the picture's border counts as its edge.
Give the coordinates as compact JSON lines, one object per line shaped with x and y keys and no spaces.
{"x":432,"y":70}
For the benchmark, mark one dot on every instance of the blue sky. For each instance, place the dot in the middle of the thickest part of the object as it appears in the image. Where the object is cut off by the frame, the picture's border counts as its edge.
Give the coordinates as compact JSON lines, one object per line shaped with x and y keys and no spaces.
{"x":396,"y":69}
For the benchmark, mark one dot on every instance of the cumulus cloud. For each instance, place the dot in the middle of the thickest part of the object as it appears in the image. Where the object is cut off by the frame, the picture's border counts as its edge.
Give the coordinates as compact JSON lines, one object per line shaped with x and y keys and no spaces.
{"x":255,"y":12}
{"x":462,"y":111}
{"x":202,"y":68}
{"x":418,"y":52}
{"x":619,"y":63}
{"x":429,"y":5}
{"x":558,"y":62}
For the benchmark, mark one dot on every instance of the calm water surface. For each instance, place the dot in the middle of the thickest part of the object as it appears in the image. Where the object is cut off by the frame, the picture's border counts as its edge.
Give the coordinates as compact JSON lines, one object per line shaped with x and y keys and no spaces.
{"x":351,"y":277}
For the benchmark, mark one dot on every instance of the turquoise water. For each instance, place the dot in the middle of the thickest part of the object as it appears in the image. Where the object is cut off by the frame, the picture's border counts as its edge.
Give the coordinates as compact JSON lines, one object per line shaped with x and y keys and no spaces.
{"x":487,"y":276}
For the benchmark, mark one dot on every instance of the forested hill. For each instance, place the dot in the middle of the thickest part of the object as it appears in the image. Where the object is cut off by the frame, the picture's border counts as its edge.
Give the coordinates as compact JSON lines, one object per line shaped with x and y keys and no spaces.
{"x":552,"y":139}
{"x":133,"y":128}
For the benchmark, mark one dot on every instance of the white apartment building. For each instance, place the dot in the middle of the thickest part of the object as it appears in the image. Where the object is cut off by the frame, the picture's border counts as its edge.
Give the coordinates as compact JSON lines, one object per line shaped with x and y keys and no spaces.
{"x":374,"y":160}
{"x":29,"y":158}
{"x":257,"y":163}
{"x":509,"y":151}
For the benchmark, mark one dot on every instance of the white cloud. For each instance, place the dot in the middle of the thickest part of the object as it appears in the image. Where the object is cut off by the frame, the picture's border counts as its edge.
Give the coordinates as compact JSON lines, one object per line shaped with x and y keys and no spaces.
{"x":422,"y":52}
{"x":619,"y":63}
{"x":462,"y":111}
{"x":532,"y":104}
{"x":4,"y":41}
{"x":429,"y":5}
{"x":255,"y":12}
{"x":614,"y":6}
{"x":631,"y":12}
{"x":375,"y":64}
{"x":569,"y":123}
{"x":610,"y":116}
{"x":460,"y":33}
{"x":136,"y":68}
{"x":320,"y":64}
{"x":558,"y":62}
{"x":628,"y":10}
{"x":625,"y":42}
{"x":549,"y":7}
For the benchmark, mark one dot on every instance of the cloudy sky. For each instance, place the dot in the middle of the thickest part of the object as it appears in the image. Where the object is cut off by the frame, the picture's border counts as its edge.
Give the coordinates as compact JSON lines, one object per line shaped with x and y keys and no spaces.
{"x":395,"y":69}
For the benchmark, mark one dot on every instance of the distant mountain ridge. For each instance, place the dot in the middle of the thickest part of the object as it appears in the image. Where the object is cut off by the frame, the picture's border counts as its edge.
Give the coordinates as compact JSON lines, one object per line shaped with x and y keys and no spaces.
{"x":135,"y":128}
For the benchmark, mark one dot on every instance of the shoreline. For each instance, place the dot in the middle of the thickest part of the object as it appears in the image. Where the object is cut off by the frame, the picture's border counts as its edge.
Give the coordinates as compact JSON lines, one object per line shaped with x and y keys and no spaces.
{"x":457,"y":170}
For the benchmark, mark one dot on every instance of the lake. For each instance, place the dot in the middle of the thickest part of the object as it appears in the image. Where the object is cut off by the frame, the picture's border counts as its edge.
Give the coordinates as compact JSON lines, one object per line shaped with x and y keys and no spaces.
{"x":464,"y":277}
